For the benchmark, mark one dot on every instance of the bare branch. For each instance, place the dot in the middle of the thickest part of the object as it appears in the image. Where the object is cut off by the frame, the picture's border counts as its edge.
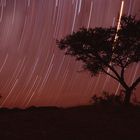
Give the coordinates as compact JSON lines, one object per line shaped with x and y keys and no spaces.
{"x":135,"y":83}
{"x":109,"y":66}
{"x":110,"y":75}
{"x":122,"y":73}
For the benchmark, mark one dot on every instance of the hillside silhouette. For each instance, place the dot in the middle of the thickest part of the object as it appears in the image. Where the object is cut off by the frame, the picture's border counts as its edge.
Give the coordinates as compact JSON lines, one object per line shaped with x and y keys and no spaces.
{"x":94,"y":122}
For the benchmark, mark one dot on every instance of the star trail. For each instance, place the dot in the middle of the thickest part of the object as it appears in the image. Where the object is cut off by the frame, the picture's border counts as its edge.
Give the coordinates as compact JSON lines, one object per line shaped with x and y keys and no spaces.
{"x":33,"y":71}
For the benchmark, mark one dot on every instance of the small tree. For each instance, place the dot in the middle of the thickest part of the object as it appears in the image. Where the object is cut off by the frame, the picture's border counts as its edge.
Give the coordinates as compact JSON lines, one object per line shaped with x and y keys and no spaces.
{"x":100,"y":50}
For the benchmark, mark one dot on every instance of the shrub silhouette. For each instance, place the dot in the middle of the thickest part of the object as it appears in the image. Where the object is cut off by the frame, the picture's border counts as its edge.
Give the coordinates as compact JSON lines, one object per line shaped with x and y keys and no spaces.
{"x":108,"y":99}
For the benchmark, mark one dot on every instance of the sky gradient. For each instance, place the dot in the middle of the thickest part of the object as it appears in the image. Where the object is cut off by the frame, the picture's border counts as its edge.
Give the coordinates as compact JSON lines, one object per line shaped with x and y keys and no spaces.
{"x":33,"y":71}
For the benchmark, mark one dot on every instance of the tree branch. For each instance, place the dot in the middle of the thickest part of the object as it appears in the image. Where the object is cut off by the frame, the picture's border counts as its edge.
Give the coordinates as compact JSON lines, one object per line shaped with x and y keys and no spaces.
{"x":114,"y":71}
{"x":122,"y":73}
{"x":118,"y":77}
{"x":109,"y":66}
{"x":110,"y":75}
{"x":135,"y":83}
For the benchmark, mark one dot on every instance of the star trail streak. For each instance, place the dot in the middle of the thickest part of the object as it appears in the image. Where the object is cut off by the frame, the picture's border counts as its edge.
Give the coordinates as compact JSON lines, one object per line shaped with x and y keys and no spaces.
{"x":33,"y":71}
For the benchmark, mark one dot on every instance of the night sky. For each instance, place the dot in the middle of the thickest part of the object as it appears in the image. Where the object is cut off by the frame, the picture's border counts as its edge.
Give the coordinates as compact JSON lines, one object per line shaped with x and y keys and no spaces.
{"x":33,"y":71}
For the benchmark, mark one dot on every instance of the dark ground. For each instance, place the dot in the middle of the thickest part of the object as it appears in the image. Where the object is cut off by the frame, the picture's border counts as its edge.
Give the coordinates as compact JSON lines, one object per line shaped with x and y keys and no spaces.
{"x":79,"y":123}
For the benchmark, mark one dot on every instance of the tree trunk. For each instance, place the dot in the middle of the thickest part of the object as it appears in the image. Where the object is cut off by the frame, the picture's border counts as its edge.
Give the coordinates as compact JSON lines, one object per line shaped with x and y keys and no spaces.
{"x":127,"y":98}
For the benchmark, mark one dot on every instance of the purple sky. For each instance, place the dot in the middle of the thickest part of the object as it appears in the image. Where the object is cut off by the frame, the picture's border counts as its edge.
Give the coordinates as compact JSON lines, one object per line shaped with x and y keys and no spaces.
{"x":33,"y":71}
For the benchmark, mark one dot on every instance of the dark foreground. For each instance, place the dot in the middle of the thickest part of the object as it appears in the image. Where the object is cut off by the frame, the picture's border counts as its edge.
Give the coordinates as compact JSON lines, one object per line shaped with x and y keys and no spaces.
{"x":80,"y":123}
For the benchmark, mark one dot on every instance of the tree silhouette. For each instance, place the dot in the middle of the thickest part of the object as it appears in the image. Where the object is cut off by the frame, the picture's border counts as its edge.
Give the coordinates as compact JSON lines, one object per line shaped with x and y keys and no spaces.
{"x":107,"y":50}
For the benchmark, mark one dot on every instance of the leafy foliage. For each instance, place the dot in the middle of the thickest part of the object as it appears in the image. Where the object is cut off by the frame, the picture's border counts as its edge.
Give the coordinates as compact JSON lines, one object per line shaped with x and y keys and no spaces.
{"x":127,"y":45}
{"x":91,"y":46}
{"x":97,"y":47}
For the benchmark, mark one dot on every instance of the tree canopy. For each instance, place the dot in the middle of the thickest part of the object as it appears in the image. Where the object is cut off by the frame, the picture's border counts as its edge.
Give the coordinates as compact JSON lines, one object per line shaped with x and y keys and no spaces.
{"x":101,"y":49}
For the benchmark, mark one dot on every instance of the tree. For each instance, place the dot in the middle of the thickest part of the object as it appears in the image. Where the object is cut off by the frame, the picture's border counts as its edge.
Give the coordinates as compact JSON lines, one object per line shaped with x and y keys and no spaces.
{"x":107,"y":50}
